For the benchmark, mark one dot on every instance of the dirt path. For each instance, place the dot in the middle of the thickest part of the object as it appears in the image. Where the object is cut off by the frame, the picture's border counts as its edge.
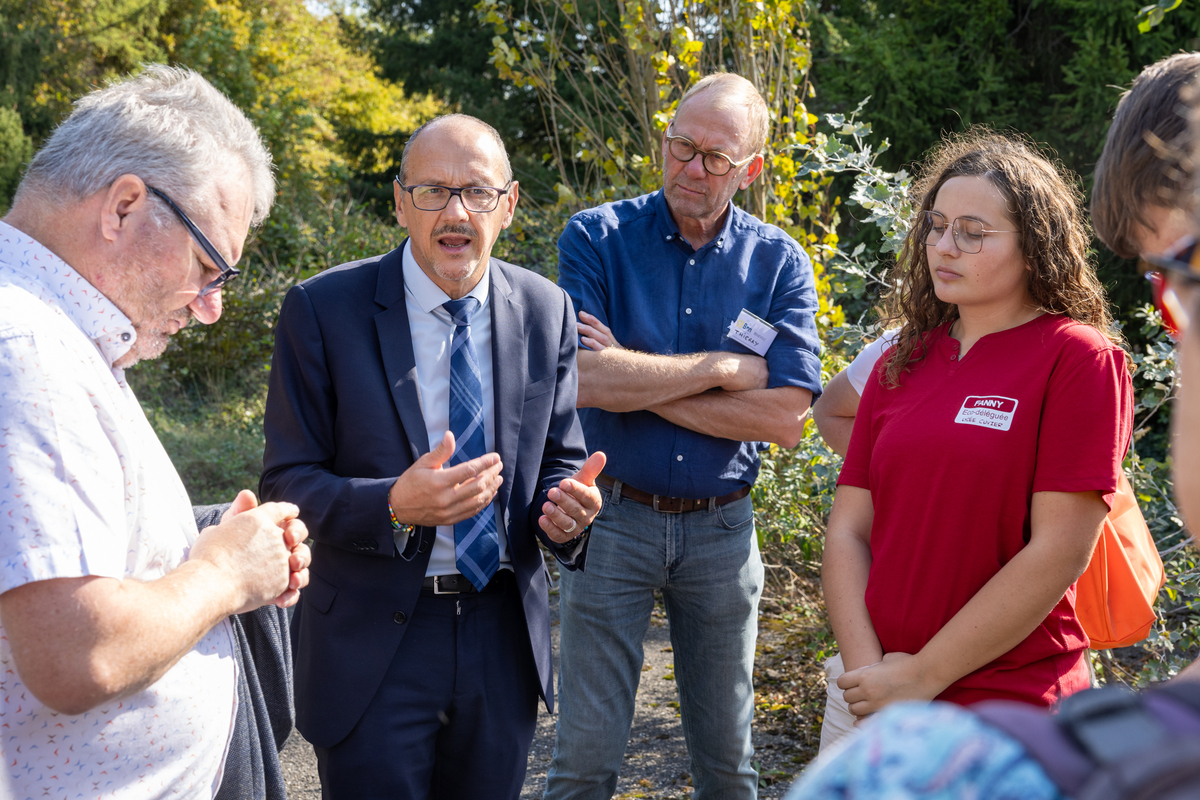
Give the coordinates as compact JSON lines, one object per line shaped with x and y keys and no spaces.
{"x":656,"y":763}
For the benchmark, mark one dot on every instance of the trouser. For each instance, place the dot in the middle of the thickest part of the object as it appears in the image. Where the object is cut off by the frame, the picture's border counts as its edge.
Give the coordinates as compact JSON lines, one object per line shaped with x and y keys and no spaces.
{"x":455,"y":715}
{"x":837,"y":721}
{"x":707,"y":565}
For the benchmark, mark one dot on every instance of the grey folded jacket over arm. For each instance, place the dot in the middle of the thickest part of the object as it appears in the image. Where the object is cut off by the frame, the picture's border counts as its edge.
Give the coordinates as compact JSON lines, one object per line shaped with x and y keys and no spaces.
{"x":265,"y":712}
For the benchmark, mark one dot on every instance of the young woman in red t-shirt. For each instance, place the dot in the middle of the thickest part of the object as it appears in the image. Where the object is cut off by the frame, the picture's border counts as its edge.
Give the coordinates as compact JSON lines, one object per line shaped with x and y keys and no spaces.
{"x":986,"y":446}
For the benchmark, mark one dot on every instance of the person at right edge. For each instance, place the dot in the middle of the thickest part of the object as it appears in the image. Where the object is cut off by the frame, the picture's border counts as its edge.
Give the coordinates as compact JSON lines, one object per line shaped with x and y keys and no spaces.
{"x":940,"y":750}
{"x":1134,"y":211}
{"x":663,"y":284}
{"x":987,"y":448}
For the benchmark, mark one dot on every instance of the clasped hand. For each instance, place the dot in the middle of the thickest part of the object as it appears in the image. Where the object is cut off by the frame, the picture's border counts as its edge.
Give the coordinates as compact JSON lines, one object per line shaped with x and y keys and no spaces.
{"x":261,"y":549}
{"x":897,"y":677}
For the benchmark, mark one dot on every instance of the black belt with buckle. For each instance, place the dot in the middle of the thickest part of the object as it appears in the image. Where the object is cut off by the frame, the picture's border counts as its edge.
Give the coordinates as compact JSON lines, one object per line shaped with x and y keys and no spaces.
{"x":670,"y":505}
{"x":459,"y":584}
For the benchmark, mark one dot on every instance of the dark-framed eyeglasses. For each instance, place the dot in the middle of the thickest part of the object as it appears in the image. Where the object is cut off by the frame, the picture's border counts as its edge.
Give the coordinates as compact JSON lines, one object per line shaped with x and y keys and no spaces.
{"x":968,"y":233}
{"x":476,"y":199}
{"x":716,"y":164}
{"x":228,"y":273}
{"x":1173,"y":278}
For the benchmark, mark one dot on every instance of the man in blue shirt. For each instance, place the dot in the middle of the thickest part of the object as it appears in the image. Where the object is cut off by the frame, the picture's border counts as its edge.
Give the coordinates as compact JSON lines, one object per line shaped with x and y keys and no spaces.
{"x":663,"y":283}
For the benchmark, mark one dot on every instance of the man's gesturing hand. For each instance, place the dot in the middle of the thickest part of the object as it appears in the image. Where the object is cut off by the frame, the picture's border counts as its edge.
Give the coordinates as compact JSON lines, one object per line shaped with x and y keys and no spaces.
{"x":574,"y":503}
{"x":427,"y":494}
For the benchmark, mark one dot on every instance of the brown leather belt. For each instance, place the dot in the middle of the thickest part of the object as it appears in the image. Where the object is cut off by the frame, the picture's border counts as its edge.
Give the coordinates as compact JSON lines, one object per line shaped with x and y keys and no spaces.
{"x":670,"y":505}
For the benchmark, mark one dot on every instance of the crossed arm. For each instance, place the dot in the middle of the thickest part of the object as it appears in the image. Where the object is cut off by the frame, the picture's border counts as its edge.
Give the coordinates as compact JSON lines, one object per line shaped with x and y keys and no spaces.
{"x":719,"y":394}
{"x":1064,"y":530}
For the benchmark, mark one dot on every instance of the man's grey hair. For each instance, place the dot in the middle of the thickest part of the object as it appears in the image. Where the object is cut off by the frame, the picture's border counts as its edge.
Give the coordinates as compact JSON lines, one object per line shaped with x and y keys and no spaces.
{"x":457,"y":119}
{"x":168,"y":126}
{"x":734,"y":91}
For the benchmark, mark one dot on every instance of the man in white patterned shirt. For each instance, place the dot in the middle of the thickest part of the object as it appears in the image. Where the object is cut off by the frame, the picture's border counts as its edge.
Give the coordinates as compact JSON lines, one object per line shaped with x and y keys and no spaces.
{"x":117,"y":667}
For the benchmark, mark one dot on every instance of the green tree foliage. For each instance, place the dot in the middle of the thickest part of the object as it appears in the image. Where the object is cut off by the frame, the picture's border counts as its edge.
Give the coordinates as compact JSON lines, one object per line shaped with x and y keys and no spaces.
{"x":52,"y":51}
{"x":441,"y":47}
{"x":323,"y":111}
{"x":304,"y":87}
{"x":15,"y":151}
{"x":1050,"y":69}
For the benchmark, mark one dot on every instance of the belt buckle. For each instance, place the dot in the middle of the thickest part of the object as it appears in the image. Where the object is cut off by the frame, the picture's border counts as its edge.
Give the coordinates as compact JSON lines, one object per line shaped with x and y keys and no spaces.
{"x":664,"y":510}
{"x":437,"y":586}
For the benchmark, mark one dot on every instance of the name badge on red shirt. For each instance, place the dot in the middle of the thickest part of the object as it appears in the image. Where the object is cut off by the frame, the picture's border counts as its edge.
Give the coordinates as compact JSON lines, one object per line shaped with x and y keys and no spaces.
{"x":988,"y":412}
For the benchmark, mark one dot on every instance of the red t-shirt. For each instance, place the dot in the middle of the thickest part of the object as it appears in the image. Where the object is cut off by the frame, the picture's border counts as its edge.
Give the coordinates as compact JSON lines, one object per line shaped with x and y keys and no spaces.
{"x":952,"y":458}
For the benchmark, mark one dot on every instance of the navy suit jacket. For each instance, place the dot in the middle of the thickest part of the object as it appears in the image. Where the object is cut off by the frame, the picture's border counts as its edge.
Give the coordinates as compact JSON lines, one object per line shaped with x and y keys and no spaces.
{"x":343,"y":420}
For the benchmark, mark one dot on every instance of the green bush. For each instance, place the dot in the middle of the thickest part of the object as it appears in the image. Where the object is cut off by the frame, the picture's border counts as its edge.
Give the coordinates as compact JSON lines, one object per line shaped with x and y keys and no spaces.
{"x":15,"y":151}
{"x":215,"y":446}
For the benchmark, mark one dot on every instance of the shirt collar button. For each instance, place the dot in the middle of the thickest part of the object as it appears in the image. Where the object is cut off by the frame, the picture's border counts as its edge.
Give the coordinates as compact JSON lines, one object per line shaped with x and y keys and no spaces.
{"x":125,"y":337}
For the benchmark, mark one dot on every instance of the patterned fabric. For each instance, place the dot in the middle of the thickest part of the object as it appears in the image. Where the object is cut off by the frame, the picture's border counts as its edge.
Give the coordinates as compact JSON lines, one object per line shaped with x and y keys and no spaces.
{"x":86,"y":489}
{"x":476,"y":546}
{"x":928,"y":751}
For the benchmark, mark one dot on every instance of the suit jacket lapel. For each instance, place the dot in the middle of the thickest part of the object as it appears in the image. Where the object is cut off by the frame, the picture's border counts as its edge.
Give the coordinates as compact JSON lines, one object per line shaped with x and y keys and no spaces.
{"x":395,"y":344}
{"x":508,"y":376}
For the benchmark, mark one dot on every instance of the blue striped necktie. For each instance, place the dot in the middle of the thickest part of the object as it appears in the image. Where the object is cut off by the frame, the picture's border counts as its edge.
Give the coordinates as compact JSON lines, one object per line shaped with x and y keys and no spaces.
{"x":476,"y":545}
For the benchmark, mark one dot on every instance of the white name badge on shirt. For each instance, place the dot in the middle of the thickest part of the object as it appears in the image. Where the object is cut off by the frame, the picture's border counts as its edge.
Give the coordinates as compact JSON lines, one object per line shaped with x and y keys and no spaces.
{"x":753,"y":332}
{"x":988,"y":412}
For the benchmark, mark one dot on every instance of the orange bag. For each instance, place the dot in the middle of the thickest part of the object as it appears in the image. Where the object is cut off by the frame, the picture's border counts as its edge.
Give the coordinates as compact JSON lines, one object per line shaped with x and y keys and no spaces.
{"x":1114,"y":597}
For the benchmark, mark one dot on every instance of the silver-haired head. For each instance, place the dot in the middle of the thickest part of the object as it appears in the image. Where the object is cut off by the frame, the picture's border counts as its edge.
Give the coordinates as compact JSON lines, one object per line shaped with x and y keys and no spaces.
{"x":170,"y":127}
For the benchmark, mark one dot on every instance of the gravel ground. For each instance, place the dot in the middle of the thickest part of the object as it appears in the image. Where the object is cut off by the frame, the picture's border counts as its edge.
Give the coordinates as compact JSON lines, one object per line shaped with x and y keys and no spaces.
{"x":656,"y":763}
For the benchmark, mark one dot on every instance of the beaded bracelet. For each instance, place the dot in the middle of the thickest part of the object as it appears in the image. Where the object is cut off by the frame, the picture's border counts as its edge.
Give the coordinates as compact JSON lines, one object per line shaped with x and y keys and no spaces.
{"x":397,"y":525}
{"x":569,"y":544}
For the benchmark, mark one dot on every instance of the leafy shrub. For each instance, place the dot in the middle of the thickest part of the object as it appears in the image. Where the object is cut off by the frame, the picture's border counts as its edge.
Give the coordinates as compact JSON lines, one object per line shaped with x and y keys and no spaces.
{"x":216,"y":446}
{"x":15,"y":151}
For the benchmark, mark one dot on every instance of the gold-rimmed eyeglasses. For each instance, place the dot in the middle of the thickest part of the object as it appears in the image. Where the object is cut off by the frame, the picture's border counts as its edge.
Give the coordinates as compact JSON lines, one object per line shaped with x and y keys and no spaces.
{"x":968,"y":233}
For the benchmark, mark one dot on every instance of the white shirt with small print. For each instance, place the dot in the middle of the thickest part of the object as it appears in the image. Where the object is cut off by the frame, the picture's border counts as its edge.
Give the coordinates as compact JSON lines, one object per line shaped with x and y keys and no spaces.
{"x":87,"y":489}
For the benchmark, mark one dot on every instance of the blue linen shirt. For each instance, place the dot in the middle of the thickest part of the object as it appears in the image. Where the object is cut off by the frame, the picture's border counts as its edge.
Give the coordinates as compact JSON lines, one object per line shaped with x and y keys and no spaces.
{"x":626,"y":263}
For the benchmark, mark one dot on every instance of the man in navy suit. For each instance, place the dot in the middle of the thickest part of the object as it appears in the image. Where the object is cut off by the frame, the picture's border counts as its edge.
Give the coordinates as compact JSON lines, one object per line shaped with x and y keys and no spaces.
{"x":421,"y":414}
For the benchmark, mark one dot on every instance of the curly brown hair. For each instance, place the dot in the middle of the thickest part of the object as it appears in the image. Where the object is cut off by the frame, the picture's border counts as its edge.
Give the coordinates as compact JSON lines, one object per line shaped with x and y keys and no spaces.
{"x":1047,"y":207}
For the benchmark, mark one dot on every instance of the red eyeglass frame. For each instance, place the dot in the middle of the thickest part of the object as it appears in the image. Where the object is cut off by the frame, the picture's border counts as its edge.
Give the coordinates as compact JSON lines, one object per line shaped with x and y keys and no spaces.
{"x":1181,"y":261}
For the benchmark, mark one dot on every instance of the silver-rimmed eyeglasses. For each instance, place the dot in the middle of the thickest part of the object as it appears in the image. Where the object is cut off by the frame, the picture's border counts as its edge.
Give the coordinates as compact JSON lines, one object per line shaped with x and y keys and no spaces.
{"x":228,"y":273}
{"x":716,"y":164}
{"x":477,"y":199}
{"x":968,"y":233}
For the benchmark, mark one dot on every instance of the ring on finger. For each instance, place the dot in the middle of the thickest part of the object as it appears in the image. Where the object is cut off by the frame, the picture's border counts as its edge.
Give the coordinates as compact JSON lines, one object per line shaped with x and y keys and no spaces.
{"x":571,"y":529}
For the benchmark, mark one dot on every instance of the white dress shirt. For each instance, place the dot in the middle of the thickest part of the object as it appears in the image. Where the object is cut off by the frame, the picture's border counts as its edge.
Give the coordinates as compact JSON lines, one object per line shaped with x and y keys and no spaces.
{"x":432,"y":331}
{"x":87,"y":489}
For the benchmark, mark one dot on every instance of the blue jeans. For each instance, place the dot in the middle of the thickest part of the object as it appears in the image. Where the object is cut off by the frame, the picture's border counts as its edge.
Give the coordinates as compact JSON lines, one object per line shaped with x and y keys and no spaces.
{"x":707,"y":565}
